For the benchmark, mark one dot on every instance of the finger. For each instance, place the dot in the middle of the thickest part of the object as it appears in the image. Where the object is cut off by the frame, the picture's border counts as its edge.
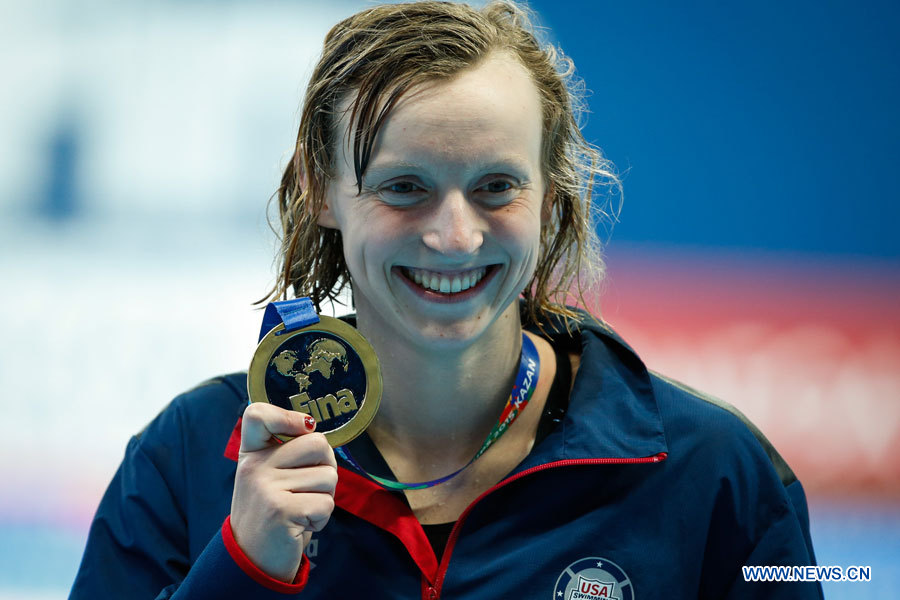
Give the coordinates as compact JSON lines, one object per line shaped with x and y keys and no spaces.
{"x":311,"y":510}
{"x":303,"y":451}
{"x":262,"y":421}
{"x":318,"y":478}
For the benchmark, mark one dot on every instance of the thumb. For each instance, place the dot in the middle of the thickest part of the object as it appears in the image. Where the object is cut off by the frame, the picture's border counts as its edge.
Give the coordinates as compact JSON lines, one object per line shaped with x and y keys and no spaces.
{"x":263,"y":421}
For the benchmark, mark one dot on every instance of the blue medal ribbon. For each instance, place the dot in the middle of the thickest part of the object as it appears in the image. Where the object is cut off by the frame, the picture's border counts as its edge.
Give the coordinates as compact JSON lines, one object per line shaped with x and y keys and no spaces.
{"x":295,"y":314}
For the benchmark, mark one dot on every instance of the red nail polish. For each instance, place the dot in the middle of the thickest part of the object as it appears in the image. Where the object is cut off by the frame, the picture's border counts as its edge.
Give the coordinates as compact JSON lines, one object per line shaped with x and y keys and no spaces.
{"x":309,"y":422}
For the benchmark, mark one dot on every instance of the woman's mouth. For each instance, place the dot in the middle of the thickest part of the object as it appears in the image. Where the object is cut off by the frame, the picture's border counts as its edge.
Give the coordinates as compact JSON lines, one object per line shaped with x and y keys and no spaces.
{"x":446,"y":286}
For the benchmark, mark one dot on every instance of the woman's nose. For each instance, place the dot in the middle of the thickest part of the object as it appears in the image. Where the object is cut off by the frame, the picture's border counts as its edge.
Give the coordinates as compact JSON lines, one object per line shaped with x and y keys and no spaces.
{"x":456,"y":228}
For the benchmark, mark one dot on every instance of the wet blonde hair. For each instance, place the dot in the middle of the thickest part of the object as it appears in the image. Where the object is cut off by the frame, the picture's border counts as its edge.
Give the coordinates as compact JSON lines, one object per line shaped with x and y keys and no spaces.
{"x":378,"y":55}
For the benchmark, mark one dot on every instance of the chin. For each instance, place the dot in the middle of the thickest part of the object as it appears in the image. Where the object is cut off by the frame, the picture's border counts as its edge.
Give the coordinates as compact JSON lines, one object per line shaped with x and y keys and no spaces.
{"x":433,"y":334}
{"x":445,"y":334}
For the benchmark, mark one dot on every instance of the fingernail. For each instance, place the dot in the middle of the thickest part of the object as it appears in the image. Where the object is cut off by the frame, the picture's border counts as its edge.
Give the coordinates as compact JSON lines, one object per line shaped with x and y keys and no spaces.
{"x":309,"y":422}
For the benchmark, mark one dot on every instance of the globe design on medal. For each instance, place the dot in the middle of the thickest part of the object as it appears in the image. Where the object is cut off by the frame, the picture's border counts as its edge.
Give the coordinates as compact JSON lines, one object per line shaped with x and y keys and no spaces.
{"x":317,"y":374}
{"x":324,"y":353}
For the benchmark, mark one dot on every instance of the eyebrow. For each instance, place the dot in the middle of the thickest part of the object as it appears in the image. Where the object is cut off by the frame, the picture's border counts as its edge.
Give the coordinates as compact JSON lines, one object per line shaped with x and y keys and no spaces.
{"x":387,"y":168}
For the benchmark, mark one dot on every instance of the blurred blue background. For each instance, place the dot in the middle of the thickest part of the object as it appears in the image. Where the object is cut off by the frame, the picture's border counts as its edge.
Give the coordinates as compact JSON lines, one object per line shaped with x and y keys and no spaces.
{"x":755,"y":255}
{"x":764,"y":125}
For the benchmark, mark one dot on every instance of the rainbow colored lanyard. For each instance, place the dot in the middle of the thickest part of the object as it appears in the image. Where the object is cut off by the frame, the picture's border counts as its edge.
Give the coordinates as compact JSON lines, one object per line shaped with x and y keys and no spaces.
{"x":523,"y":388}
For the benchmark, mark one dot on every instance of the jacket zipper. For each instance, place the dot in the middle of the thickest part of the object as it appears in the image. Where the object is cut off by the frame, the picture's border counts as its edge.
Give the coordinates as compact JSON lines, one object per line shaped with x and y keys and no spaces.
{"x":433,"y":592}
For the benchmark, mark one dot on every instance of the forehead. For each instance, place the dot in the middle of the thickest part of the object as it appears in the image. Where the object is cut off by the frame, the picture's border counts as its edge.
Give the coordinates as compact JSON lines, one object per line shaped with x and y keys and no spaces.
{"x":486,"y":112}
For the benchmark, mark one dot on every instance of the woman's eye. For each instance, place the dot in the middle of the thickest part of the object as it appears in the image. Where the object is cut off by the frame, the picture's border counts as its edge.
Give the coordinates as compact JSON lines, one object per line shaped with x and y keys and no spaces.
{"x":498,"y":186}
{"x":401,"y":193}
{"x":403,"y":187}
{"x":497,"y":191}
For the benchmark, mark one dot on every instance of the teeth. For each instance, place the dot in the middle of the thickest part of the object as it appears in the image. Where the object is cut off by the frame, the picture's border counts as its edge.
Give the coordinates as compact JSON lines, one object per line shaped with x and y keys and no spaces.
{"x":437,"y":282}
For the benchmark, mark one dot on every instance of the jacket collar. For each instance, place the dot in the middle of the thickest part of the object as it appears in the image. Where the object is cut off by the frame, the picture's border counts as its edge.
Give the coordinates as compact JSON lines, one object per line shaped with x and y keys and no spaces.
{"x":612,"y":413}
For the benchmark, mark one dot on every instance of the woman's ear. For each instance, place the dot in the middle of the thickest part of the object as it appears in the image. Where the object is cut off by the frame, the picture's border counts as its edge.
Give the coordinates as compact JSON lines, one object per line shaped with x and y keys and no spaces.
{"x":326,"y":217}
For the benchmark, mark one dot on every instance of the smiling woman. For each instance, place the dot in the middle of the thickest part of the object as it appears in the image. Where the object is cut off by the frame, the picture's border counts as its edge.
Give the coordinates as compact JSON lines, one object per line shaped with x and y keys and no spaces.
{"x":439,"y":173}
{"x":391,"y":54}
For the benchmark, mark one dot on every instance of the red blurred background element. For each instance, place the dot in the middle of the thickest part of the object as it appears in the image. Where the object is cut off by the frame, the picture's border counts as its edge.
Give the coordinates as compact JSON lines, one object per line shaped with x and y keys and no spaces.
{"x":808,"y":349}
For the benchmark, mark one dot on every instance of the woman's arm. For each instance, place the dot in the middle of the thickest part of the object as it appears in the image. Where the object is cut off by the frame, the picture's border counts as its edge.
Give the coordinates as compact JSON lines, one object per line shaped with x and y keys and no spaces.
{"x":148,"y":538}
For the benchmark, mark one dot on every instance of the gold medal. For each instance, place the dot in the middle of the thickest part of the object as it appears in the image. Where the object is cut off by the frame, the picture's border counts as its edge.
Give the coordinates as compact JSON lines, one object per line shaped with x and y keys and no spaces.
{"x":327,"y":370}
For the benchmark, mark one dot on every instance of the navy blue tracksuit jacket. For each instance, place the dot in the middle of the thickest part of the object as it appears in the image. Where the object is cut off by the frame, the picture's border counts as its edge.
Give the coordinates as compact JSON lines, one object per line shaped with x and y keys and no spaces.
{"x":646,"y":490}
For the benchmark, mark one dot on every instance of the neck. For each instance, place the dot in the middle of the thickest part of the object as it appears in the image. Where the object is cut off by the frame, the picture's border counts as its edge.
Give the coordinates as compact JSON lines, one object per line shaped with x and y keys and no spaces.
{"x":441,"y":403}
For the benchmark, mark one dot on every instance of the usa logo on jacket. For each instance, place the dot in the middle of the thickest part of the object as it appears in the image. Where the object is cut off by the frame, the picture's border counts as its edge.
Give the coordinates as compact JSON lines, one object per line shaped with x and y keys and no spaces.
{"x":593,"y":578}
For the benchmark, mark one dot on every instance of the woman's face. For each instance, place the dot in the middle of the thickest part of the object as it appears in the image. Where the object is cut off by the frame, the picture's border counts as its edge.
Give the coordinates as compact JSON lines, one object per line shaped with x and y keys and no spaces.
{"x":445,"y":234}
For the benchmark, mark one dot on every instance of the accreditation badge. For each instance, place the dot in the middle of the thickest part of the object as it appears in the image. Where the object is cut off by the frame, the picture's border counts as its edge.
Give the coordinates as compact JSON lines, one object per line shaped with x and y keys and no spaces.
{"x":326,"y":369}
